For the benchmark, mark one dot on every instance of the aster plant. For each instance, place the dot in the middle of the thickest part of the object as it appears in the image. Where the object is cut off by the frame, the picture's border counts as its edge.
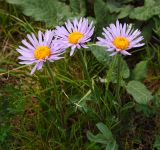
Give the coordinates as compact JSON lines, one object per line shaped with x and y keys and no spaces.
{"x":118,"y":39}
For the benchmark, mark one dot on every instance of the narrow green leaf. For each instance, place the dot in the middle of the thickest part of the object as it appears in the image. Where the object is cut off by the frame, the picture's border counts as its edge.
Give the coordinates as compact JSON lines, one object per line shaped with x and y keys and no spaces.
{"x":4,"y":131}
{"x":127,"y":106}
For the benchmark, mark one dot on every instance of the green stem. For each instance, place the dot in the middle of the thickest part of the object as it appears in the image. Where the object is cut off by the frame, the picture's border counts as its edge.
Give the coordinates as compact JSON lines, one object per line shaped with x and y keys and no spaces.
{"x":108,"y":77}
{"x":91,"y":44}
{"x":54,"y":84}
{"x":84,"y":65}
{"x":86,"y":73}
{"x":118,"y":78}
{"x":110,"y":72}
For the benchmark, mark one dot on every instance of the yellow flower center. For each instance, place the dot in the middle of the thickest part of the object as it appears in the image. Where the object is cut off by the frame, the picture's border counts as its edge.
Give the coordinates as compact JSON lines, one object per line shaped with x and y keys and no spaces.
{"x":74,"y":37}
{"x":121,"y":42}
{"x":41,"y":52}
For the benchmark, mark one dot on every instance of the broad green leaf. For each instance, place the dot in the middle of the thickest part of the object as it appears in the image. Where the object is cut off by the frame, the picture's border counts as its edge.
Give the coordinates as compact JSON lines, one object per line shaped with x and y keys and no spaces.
{"x":146,"y":110}
{"x":99,"y":138}
{"x":125,"y":72}
{"x":102,"y":14}
{"x":114,"y":7}
{"x":112,"y":146}
{"x":139,"y":92}
{"x":104,"y":130}
{"x":105,"y":138}
{"x":100,"y":10}
{"x":80,"y":103}
{"x":103,"y":57}
{"x":120,"y":8}
{"x":140,"y":71}
{"x":125,"y":11}
{"x":149,"y":2}
{"x":101,"y":54}
{"x":147,"y":30}
{"x":52,"y":12}
{"x":78,"y":7}
{"x":145,"y":12}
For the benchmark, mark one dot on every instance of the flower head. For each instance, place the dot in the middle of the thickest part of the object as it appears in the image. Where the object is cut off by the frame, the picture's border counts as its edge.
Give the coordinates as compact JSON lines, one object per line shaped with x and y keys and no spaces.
{"x":74,"y":34}
{"x":39,"y":50}
{"x":120,"y":38}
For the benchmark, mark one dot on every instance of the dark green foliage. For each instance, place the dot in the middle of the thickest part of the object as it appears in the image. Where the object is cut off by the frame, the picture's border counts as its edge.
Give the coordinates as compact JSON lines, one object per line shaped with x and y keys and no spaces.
{"x":150,"y":8}
{"x":52,"y":12}
{"x":12,"y":103}
{"x":102,"y":14}
{"x":33,"y":116}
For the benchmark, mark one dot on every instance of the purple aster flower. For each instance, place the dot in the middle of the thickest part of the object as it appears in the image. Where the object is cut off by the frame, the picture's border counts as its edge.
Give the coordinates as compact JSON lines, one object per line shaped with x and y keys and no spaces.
{"x":120,"y":38}
{"x":39,"y":50}
{"x":75,"y":34}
